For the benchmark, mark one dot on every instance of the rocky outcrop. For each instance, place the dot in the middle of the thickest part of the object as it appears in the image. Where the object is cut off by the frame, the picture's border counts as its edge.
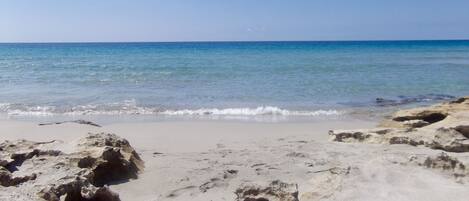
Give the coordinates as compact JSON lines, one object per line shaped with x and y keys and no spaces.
{"x":444,"y":163}
{"x":443,"y":126}
{"x":275,"y":191}
{"x":77,"y":189}
{"x":7,"y":179}
{"x":403,"y":100}
{"x":445,"y":113}
{"x":80,"y":170}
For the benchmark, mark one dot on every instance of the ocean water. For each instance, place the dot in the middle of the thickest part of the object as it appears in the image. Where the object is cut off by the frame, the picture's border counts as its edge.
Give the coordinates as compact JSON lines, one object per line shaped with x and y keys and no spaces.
{"x":227,"y":78}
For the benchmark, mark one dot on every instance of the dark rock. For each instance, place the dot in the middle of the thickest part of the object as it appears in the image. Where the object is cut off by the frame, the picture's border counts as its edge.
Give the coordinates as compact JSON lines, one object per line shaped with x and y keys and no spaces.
{"x":80,"y":121}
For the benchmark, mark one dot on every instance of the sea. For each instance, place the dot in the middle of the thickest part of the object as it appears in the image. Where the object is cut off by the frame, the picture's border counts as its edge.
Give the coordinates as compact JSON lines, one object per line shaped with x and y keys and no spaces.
{"x":228,"y":80}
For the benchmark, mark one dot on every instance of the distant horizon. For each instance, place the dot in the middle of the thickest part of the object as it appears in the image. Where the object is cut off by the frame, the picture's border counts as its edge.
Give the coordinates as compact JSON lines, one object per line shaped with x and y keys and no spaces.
{"x":238,"y":41}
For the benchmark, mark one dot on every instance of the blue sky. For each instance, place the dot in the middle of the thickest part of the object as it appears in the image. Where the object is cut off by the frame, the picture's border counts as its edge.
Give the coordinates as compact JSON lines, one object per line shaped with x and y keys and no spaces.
{"x":231,"y":20}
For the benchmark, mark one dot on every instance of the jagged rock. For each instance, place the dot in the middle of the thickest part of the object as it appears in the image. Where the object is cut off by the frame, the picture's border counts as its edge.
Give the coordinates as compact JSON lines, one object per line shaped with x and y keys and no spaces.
{"x":460,"y":100}
{"x":449,"y":139}
{"x":7,"y":179}
{"x":431,"y":114}
{"x":443,"y":126}
{"x":15,"y":153}
{"x":443,"y":162}
{"x":77,"y":189}
{"x":79,"y":172}
{"x":403,"y":100}
{"x":109,"y":157}
{"x":275,"y":191}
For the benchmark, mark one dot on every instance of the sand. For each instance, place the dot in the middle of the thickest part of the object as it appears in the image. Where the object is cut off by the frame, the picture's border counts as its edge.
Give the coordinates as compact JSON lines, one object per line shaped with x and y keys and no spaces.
{"x":179,"y":136}
{"x":209,"y":160}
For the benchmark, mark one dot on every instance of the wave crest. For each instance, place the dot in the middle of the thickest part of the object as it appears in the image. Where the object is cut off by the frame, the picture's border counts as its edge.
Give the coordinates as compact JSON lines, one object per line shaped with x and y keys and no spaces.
{"x":130,"y":108}
{"x":264,"y":110}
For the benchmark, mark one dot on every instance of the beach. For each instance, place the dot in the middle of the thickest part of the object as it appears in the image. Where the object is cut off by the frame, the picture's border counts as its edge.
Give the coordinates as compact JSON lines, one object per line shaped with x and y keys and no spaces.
{"x":175,"y":151}
{"x":212,"y":160}
{"x":234,"y":100}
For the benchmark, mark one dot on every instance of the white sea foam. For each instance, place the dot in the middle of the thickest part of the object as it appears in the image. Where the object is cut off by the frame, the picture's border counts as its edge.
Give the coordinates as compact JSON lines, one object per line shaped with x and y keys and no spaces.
{"x":131,"y":108}
{"x":13,"y":110}
{"x":264,"y":110}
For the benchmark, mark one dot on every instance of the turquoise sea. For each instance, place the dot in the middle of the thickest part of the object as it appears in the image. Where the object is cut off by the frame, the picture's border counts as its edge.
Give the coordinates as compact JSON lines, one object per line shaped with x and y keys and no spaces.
{"x":227,"y":78}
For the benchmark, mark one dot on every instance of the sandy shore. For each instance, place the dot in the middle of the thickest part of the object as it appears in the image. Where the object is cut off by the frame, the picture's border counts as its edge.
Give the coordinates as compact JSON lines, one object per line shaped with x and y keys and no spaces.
{"x":179,"y":136}
{"x":210,"y":160}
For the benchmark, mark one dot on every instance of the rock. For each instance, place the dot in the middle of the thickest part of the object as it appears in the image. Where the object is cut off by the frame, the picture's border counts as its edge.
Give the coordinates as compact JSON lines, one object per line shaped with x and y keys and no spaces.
{"x":424,"y":115}
{"x":7,"y":179}
{"x":443,"y":126}
{"x":275,"y":191}
{"x":109,"y":157}
{"x":386,"y":102}
{"x":445,"y":163}
{"x":371,"y":135}
{"x":81,"y":173}
{"x":403,"y":100}
{"x":432,"y":114}
{"x":405,"y":140}
{"x":449,"y":139}
{"x":460,"y":100}
{"x":77,"y":189}
{"x":463,"y":129}
{"x":80,"y":121}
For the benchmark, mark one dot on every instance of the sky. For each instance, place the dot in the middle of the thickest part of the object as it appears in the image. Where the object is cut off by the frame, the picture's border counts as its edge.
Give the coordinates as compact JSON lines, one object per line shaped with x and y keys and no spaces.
{"x":231,"y":20}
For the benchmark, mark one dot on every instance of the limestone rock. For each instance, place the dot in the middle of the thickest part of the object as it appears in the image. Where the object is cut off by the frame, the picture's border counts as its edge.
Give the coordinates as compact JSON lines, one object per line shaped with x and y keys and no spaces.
{"x":7,"y":179}
{"x":449,"y":139}
{"x":275,"y":191}
{"x":445,"y":163}
{"x":403,"y":100}
{"x":109,"y":157}
{"x":80,"y":170}
{"x":443,"y":126}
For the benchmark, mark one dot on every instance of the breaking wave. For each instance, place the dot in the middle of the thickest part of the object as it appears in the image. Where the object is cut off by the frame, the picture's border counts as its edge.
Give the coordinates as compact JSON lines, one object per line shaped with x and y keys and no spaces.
{"x":130,"y":108}
{"x":264,"y":110}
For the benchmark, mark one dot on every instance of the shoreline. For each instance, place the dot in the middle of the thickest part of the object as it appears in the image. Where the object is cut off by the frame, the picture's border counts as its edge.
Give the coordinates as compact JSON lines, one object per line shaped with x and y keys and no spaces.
{"x":311,"y":161}
{"x":130,"y":111}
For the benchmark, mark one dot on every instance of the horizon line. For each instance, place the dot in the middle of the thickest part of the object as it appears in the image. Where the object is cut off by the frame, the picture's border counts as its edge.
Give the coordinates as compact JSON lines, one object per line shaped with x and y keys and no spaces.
{"x":240,"y":41}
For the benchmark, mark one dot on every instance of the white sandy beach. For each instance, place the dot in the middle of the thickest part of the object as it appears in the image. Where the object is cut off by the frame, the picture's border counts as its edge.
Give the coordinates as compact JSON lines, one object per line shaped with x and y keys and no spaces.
{"x":194,"y":160}
{"x":179,"y":136}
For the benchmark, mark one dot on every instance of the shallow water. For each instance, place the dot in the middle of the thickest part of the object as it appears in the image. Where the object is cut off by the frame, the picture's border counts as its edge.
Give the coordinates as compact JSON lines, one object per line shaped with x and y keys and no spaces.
{"x":225,"y":78}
